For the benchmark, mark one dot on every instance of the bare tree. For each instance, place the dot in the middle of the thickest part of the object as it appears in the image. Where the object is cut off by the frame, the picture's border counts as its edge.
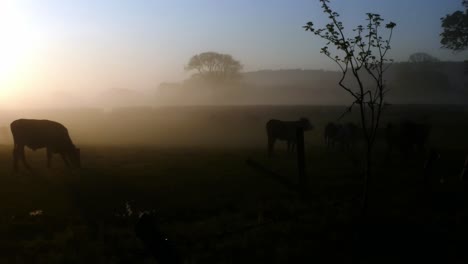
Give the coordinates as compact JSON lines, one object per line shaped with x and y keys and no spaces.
{"x":363,"y":54}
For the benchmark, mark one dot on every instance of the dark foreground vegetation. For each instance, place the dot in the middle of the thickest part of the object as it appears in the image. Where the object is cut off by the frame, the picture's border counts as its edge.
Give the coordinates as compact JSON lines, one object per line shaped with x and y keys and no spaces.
{"x":188,"y":166}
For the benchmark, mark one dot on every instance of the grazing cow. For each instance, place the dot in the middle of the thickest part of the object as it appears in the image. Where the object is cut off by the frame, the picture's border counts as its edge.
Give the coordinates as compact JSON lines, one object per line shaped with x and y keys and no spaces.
{"x":345,"y":136}
{"x":407,"y":136}
{"x":36,"y":134}
{"x":285,"y":131}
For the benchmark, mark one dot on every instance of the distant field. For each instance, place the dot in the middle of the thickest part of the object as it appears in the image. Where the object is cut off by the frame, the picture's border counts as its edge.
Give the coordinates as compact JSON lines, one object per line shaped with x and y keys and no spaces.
{"x":217,"y":209}
{"x":226,"y":126}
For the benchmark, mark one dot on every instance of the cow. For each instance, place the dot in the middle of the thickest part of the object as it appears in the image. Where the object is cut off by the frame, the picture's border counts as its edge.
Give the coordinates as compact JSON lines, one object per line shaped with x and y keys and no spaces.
{"x":408,"y":136}
{"x":285,"y":131}
{"x":348,"y":135}
{"x":345,"y":135}
{"x":36,"y":134}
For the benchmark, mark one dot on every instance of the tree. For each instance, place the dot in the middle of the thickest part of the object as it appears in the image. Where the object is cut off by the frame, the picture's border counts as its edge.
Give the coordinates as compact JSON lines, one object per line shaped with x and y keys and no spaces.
{"x":421,"y":57}
{"x":363,"y":54}
{"x":455,"y":26}
{"x":214,"y":67}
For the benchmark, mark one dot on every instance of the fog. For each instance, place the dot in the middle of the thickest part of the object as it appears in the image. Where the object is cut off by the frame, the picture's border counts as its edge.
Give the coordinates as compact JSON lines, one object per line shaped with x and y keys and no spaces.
{"x":213,"y":126}
{"x":437,"y":82}
{"x":123,"y":76}
{"x":197,"y":113}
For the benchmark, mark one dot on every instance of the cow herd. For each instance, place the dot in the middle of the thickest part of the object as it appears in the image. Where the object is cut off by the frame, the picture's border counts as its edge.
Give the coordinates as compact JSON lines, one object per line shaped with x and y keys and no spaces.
{"x":35,"y":134}
{"x":406,"y":136}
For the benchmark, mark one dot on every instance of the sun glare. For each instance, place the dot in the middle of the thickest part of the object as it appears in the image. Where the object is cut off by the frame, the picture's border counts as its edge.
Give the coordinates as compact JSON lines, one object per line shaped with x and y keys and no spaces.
{"x":19,"y":43}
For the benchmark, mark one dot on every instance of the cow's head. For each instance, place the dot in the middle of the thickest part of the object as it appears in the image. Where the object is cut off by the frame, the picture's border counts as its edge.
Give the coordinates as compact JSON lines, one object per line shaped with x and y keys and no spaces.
{"x":75,"y":157}
{"x":305,"y":124}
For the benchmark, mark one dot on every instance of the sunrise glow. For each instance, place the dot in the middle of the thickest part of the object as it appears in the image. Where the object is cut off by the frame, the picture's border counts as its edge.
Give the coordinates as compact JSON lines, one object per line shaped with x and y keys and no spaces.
{"x":20,"y":45}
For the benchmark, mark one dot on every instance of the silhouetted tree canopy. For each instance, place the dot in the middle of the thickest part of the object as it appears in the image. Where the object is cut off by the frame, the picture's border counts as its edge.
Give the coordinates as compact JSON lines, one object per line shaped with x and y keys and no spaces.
{"x":455,"y":26}
{"x":215,"y":67}
{"x":421,"y":57}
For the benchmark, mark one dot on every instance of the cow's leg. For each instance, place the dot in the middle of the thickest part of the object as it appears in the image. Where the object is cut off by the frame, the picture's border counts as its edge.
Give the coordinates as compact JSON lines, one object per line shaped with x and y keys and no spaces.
{"x":49,"y":158}
{"x":23,"y":157}
{"x":271,"y":145}
{"x":65,"y":159}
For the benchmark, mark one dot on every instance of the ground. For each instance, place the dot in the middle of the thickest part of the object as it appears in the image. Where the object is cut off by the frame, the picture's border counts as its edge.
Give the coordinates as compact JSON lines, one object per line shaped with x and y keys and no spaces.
{"x":217,"y":209}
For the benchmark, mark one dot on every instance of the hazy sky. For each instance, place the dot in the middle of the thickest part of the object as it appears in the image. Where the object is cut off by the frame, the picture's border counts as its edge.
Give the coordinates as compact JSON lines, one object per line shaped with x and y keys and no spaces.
{"x":70,"y":46}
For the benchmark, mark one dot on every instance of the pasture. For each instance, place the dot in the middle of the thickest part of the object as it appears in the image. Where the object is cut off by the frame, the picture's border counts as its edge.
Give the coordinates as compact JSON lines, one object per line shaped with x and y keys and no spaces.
{"x":188,"y":165}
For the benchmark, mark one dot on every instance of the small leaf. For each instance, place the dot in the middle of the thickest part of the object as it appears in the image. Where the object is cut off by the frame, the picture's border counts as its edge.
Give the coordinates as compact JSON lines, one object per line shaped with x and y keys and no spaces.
{"x":390,"y":25}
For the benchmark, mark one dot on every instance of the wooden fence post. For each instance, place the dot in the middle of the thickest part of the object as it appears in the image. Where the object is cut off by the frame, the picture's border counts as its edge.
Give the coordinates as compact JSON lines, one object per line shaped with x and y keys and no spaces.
{"x":301,"y":160}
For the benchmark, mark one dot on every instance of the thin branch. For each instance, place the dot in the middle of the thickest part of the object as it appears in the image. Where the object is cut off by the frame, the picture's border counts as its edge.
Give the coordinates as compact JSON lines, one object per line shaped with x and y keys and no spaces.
{"x":348,"y":110}
{"x":388,"y":42}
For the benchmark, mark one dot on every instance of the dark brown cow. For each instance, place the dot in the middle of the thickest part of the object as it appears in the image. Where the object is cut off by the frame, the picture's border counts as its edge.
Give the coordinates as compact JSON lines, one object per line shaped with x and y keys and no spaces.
{"x":346,"y":136}
{"x":408,"y":136}
{"x":36,"y":134}
{"x":286,"y":131}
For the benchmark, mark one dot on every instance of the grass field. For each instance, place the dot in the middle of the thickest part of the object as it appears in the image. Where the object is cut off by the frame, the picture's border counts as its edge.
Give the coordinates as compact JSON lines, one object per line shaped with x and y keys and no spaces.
{"x":217,"y":209}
